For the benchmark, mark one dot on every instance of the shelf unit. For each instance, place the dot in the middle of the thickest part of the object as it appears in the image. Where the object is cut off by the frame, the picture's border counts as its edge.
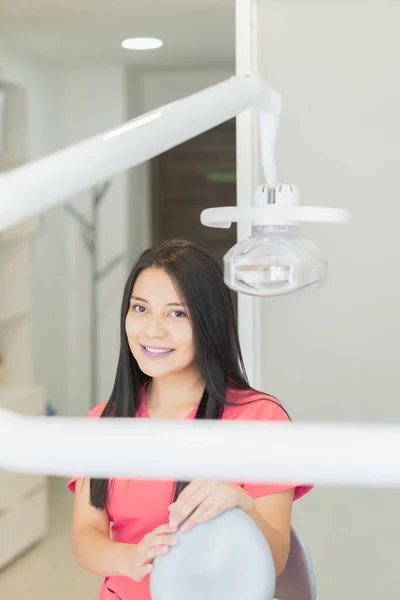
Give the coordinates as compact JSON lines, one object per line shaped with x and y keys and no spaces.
{"x":23,"y":498}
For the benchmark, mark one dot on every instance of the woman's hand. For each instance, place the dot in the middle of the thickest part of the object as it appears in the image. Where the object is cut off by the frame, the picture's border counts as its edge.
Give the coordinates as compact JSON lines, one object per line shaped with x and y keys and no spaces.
{"x":202,"y":501}
{"x":136,"y":560}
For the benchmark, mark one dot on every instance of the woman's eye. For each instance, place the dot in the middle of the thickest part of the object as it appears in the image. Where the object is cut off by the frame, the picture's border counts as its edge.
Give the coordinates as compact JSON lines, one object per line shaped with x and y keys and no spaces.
{"x":138,"y":308}
{"x":178,"y":313}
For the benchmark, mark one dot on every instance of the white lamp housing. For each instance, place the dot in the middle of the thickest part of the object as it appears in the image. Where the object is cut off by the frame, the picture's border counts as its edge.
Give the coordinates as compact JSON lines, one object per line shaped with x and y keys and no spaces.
{"x":274,"y":260}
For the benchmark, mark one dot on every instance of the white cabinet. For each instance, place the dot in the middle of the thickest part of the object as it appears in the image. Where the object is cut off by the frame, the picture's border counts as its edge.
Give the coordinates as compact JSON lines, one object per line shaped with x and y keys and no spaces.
{"x":15,"y":308}
{"x":23,"y":525}
{"x":23,"y":498}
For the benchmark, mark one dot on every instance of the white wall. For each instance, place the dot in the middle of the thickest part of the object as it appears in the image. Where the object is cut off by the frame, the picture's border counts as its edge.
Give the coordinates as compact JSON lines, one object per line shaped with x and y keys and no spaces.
{"x":95,"y":100}
{"x":42,"y":80}
{"x":159,"y":88}
{"x":139,"y":236}
{"x":332,"y":355}
{"x":43,"y":83}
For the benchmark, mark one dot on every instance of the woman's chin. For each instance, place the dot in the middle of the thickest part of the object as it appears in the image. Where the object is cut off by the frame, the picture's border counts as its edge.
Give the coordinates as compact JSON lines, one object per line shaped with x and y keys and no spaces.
{"x":154,"y":368}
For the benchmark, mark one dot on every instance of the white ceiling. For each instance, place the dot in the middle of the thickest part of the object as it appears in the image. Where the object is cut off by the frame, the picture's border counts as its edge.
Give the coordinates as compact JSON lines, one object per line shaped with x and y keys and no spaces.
{"x":195,"y":32}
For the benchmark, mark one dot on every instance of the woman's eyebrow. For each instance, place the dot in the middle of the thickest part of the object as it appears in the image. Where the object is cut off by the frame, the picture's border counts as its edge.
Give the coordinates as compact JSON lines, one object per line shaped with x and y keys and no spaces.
{"x":169,"y":303}
{"x":139,"y":299}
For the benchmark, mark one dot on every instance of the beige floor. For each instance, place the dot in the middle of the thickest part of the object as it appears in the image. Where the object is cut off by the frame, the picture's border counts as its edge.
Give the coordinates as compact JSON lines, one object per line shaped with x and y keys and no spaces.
{"x":48,"y":571}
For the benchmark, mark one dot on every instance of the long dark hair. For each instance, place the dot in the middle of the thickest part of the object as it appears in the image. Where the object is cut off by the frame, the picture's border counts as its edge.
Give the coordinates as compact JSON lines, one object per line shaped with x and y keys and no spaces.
{"x":199,"y":279}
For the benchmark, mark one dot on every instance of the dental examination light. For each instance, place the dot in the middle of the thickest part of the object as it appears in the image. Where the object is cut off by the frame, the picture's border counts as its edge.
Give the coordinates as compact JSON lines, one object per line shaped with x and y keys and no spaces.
{"x":274,"y":260}
{"x":31,"y":189}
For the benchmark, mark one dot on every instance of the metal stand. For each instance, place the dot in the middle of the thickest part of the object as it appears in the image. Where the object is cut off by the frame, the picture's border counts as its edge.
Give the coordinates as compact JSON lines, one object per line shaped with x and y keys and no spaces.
{"x":90,"y":235}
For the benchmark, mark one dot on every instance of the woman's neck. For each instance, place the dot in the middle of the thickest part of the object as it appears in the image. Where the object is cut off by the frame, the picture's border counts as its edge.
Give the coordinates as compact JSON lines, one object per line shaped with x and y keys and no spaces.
{"x":174,"y":396}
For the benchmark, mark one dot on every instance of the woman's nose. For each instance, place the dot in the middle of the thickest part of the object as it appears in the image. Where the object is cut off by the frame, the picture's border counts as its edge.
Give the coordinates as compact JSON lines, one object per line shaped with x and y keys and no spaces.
{"x":155,"y":327}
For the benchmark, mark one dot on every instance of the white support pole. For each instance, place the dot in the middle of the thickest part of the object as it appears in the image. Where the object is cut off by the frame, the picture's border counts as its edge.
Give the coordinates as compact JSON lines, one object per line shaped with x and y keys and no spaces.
{"x":276,"y":452}
{"x":247,"y":169}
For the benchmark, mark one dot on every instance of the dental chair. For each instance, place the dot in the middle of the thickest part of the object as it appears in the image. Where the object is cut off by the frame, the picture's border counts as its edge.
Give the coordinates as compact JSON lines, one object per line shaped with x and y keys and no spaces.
{"x":297,"y":582}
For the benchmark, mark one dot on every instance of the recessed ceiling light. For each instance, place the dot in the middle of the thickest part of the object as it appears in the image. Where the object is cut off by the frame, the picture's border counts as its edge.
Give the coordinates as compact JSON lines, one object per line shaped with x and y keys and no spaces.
{"x":145,"y":43}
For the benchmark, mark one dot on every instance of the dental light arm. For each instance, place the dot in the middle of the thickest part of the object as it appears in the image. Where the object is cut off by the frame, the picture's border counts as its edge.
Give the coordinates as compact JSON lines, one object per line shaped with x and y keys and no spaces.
{"x":268,"y":125}
{"x":33,"y":188}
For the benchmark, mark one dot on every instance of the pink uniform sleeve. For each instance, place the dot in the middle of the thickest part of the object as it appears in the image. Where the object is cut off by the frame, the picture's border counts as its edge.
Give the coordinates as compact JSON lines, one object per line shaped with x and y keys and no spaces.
{"x":94,"y":413}
{"x":270,"y":410}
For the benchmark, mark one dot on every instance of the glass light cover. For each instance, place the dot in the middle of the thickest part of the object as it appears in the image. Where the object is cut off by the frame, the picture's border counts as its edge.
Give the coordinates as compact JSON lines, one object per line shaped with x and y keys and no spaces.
{"x":274,"y":261}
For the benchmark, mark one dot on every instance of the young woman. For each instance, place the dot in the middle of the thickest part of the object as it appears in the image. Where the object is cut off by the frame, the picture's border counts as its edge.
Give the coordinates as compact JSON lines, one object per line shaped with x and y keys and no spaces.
{"x":179,"y":359}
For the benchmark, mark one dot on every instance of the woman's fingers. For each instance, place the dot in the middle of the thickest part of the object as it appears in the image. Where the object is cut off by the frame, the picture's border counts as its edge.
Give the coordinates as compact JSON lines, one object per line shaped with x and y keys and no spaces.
{"x":207,"y":510}
{"x":163,"y":540}
{"x":161,"y":529}
{"x":220,"y":497}
{"x":187,"y":493}
{"x":212,"y":512}
{"x":190,"y":499}
{"x":154,"y":544}
{"x":143,"y":572}
{"x":151,"y":553}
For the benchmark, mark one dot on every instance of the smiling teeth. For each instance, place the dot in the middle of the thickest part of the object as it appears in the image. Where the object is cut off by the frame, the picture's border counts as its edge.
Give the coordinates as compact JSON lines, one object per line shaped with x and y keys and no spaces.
{"x":157,"y":350}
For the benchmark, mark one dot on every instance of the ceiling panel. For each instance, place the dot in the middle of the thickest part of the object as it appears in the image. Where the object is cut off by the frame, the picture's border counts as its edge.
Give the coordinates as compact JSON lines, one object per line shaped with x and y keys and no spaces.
{"x":195,"y":32}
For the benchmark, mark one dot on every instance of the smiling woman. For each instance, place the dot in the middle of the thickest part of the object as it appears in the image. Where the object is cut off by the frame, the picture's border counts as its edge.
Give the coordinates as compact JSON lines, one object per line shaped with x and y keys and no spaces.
{"x":158,"y":326}
{"x":179,"y":359}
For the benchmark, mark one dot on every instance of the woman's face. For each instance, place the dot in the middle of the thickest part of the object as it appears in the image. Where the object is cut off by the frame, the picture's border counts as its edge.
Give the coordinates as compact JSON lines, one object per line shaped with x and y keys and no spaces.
{"x":158,"y":326}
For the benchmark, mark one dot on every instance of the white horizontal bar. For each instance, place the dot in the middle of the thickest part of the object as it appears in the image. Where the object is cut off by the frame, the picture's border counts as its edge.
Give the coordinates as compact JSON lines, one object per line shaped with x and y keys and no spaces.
{"x":223,"y":217}
{"x":272,"y":214}
{"x":35,"y":187}
{"x":321,"y":453}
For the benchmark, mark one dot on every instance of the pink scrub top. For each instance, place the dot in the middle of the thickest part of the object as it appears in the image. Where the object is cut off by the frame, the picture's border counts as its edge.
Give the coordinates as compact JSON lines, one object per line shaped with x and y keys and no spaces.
{"x":137,"y":507}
